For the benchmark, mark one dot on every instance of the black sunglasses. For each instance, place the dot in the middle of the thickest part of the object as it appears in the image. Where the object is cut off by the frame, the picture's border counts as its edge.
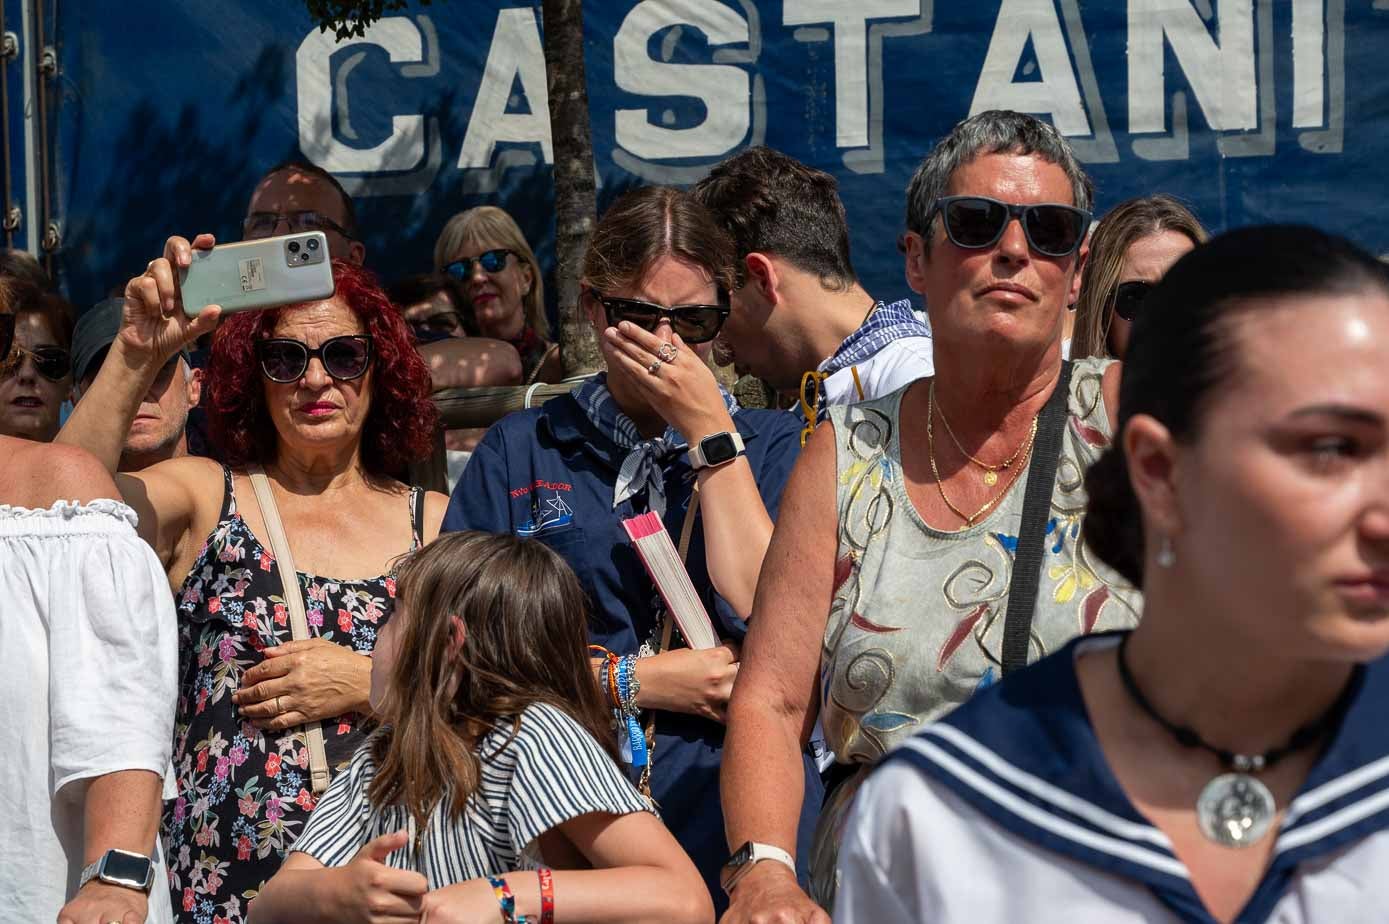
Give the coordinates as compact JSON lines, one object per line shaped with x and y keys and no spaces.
{"x":441,"y":322}
{"x":264,"y":224}
{"x":52,"y":362}
{"x":976,"y":222}
{"x":1129,"y":298}
{"x":493,"y":261}
{"x":694,"y":323}
{"x":6,"y":336}
{"x":344,"y":358}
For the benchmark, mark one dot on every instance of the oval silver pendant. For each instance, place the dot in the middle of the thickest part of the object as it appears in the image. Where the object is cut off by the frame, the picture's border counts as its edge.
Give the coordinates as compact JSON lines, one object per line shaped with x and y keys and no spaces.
{"x":1235,"y":810}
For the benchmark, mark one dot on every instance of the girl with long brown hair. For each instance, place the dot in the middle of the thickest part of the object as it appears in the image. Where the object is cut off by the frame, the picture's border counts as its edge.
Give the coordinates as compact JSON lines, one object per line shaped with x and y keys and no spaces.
{"x":494,"y":761}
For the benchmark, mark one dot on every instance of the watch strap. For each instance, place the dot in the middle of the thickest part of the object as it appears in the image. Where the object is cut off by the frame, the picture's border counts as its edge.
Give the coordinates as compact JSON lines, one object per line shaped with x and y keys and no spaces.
{"x":696,"y":453}
{"x":756,"y":853}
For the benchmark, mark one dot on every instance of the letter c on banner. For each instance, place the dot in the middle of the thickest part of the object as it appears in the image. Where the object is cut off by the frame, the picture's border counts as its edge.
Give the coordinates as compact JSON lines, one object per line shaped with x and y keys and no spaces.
{"x":402,"y":40}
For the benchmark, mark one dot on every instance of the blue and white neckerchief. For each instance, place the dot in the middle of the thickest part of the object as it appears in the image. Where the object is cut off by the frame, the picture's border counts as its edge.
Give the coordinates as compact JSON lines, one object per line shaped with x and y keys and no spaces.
{"x":886,"y":323}
{"x":641,"y":468}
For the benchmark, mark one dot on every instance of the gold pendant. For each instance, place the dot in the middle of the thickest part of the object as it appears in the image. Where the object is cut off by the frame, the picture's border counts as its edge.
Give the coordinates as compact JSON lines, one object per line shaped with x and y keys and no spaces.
{"x":991,"y":478}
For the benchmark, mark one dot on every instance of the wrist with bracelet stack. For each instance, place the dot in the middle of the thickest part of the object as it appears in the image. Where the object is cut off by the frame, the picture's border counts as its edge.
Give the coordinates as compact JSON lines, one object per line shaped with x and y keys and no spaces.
{"x":617,"y":676}
{"x":506,"y":899}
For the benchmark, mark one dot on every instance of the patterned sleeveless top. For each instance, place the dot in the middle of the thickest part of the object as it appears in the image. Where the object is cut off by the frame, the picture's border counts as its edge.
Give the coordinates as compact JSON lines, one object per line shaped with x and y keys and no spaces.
{"x":916,"y":619}
{"x":244,"y":794}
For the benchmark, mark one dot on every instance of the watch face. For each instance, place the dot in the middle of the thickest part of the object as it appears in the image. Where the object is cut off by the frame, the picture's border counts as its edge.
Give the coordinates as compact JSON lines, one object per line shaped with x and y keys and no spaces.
{"x":125,"y":868}
{"x":718,"y":449}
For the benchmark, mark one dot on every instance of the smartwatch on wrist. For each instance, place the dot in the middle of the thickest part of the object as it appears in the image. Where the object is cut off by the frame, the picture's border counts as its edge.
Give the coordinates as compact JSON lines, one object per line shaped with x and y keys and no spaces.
{"x":748,"y":856}
{"x":121,"y":868}
{"x":715,"y":449}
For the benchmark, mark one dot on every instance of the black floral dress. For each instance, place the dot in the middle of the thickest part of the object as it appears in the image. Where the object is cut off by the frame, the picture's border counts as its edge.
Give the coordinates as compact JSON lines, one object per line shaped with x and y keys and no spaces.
{"x":244,"y":794}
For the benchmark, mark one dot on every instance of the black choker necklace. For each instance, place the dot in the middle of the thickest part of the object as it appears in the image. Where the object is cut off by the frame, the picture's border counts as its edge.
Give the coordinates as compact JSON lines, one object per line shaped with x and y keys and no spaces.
{"x":1236,"y":809}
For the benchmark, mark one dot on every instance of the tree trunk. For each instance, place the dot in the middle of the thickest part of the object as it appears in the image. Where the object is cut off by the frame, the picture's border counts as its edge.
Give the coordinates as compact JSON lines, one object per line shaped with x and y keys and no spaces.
{"x":575,"y":196}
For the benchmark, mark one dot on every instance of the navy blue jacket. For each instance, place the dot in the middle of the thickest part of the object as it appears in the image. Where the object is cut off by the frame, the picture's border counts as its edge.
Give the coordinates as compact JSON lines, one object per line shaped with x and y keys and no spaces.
{"x":549,"y":474}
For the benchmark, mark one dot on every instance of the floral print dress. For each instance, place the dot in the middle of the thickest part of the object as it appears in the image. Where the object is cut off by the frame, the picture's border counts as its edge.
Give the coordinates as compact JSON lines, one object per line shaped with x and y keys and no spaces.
{"x":243,"y":794}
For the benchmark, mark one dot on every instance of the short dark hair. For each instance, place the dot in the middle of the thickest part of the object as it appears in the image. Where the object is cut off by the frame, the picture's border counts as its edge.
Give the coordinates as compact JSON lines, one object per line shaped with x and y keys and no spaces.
{"x":349,"y":210}
{"x":775,"y":204}
{"x":411,"y":290}
{"x":1182,"y":350}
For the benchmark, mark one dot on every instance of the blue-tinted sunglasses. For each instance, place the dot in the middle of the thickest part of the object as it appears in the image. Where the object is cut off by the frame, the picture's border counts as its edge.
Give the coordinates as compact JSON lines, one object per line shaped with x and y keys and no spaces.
{"x":493,"y":261}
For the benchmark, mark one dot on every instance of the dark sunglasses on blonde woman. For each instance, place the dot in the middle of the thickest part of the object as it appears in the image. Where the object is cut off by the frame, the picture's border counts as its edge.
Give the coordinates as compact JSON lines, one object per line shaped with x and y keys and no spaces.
{"x":345,"y":358}
{"x":1129,"y":298}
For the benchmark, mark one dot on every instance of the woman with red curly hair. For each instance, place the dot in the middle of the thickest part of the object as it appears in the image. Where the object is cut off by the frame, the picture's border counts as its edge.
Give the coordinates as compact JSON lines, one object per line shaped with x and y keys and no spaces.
{"x":331,"y":401}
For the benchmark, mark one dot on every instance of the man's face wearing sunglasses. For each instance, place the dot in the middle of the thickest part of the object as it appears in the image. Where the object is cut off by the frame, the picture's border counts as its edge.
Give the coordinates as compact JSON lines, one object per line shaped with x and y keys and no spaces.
{"x":289,"y":192}
{"x":30,"y":397}
{"x":1007,"y":289}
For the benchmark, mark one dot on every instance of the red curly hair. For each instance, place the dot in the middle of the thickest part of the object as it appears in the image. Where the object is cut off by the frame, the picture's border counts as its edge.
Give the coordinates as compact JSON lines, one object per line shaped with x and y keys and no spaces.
{"x":400,"y":426}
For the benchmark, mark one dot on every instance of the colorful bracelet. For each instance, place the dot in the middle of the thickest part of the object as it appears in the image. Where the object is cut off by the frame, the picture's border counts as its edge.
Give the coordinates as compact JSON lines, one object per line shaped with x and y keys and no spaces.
{"x":547,"y":895}
{"x":506,"y":899}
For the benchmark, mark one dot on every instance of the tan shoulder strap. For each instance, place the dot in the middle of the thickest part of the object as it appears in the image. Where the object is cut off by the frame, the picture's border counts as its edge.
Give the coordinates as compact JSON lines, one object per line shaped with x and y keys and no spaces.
{"x":686,"y":531}
{"x":294,"y":600}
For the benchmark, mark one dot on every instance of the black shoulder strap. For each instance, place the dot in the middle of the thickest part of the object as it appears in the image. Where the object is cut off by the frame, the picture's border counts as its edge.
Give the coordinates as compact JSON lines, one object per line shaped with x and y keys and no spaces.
{"x":1036,"y":505}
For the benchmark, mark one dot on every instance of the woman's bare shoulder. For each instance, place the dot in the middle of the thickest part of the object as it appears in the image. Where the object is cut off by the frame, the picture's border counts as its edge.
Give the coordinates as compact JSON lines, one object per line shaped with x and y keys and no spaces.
{"x":37,"y":474}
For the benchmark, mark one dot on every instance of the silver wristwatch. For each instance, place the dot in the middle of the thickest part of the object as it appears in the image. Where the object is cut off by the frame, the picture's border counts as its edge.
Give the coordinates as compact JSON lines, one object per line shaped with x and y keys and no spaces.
{"x":122,"y":868}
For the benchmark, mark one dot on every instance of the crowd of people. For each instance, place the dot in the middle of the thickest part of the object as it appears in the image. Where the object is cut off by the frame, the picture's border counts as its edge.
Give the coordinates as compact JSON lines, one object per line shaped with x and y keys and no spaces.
{"x":1063,"y":597}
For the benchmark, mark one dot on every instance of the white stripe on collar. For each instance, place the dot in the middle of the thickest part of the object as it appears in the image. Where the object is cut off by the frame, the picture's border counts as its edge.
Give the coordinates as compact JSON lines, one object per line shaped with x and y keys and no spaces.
{"x":1336,"y":821}
{"x":1041,"y":818}
{"x":1328,"y":792}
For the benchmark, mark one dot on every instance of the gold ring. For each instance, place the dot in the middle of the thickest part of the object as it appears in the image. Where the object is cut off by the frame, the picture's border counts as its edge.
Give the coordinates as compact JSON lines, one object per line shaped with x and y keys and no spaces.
{"x":667,"y":353}
{"x":655,"y":367}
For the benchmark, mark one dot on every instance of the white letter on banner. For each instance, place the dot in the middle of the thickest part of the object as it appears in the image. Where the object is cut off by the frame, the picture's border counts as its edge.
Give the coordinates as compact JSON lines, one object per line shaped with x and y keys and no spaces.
{"x":515,"y":53}
{"x":403,"y":150}
{"x":1056,"y":93}
{"x":850,"y":21}
{"x":1221,"y":73}
{"x":1309,"y":64}
{"x":724,"y":89}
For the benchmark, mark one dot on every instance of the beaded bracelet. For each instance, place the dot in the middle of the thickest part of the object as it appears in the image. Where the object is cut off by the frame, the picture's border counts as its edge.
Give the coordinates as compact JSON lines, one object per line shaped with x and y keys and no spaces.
{"x":547,"y":895}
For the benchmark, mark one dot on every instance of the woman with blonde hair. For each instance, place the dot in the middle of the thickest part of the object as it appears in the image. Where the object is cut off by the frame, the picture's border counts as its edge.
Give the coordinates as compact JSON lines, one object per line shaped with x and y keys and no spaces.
{"x":485,"y":250}
{"x":1131,"y":249}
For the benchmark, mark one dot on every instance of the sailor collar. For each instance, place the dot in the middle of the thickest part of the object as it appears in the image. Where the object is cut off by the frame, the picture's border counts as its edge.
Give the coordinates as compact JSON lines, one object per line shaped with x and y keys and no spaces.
{"x":1024,"y":754}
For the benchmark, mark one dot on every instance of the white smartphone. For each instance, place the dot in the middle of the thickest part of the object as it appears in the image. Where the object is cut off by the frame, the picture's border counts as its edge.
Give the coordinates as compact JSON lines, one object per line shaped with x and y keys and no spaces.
{"x":265,"y":273}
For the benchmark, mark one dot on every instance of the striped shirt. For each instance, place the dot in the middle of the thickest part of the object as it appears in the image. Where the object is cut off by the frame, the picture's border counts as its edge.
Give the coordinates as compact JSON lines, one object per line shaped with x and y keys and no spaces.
{"x":550,"y":772}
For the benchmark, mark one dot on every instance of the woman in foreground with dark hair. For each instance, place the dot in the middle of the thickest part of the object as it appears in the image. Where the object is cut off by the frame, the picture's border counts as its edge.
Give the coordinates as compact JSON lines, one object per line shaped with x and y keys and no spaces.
{"x":331,"y":400}
{"x":1226,"y":760}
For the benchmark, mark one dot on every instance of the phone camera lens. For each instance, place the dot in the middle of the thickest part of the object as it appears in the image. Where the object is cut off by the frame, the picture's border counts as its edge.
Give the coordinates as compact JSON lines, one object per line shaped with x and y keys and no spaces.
{"x":293,"y":246}
{"x":312,"y":243}
{"x":304,"y":257}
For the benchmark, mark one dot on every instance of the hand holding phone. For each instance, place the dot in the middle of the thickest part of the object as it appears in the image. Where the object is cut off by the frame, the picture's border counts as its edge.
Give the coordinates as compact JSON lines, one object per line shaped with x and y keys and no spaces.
{"x":154,"y":325}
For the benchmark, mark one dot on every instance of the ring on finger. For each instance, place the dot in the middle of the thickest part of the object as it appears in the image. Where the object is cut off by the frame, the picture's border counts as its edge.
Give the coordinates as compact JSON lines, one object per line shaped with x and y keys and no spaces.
{"x":278,"y":708}
{"x":655,"y":367}
{"x":667,"y":353}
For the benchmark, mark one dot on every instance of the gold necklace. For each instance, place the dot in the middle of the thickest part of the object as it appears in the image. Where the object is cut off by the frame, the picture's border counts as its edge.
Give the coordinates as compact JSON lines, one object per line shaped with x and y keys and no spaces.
{"x":990,"y":471}
{"x":1024,"y":451}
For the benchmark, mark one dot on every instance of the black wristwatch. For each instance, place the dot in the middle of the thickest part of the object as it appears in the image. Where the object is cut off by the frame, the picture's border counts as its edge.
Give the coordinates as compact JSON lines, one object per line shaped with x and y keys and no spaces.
{"x":122,"y":868}
{"x":715,"y":449}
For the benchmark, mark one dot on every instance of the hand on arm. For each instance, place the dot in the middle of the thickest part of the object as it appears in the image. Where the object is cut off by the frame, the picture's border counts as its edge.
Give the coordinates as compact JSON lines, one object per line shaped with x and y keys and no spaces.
{"x":365,"y":891}
{"x":304,"y":681}
{"x":121,"y":812}
{"x":775,"y":702}
{"x":640,"y":874}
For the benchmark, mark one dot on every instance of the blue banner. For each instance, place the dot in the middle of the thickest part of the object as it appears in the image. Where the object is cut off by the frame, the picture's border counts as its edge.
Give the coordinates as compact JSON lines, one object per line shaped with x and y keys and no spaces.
{"x":1250,"y":110}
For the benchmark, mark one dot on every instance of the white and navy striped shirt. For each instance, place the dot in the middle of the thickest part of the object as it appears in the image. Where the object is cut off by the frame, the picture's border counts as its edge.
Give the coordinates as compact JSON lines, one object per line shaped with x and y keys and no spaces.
{"x":1007,"y":810}
{"x":550,"y":772}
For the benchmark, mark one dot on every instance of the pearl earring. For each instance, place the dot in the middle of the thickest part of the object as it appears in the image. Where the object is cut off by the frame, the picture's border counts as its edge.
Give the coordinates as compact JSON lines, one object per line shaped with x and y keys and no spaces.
{"x":1166,"y":558}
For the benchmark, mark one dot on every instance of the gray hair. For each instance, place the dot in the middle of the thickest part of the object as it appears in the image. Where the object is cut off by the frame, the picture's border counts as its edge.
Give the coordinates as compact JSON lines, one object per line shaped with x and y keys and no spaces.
{"x":997,"y":131}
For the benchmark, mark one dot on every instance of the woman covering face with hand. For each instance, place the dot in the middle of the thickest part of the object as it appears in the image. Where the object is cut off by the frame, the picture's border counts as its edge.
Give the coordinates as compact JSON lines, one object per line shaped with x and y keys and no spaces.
{"x":1226,"y":759}
{"x":331,"y":400}
{"x":641,"y":438}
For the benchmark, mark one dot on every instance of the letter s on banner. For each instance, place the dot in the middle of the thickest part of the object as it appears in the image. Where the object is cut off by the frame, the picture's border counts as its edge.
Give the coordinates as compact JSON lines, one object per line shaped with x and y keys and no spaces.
{"x":404,"y":150}
{"x":724,"y":89}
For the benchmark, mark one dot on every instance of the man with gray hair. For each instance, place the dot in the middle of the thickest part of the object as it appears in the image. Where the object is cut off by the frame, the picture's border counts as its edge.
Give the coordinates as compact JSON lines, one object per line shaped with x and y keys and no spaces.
{"x":884,"y":595}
